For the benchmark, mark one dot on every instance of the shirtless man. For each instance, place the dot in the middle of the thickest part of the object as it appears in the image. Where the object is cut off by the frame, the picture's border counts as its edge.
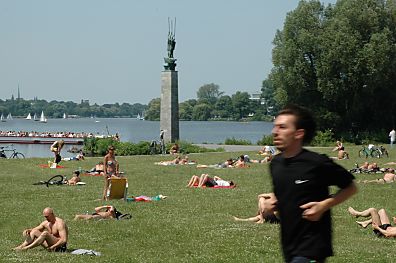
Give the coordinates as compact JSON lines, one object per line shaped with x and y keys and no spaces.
{"x":56,"y":148}
{"x":51,"y":234}
{"x":101,"y":212}
{"x":265,"y":213}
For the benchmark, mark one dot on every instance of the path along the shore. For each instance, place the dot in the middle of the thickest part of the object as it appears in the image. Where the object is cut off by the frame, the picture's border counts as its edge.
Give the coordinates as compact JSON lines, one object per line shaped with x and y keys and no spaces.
{"x":232,"y":148}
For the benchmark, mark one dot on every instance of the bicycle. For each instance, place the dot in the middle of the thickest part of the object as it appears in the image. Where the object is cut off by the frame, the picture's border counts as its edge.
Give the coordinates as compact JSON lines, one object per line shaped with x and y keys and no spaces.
{"x":14,"y":154}
{"x":375,"y":152}
{"x":54,"y":180}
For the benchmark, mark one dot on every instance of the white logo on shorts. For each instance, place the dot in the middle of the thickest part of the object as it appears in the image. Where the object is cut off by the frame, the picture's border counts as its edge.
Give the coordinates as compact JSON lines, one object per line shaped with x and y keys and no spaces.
{"x":300,"y":181}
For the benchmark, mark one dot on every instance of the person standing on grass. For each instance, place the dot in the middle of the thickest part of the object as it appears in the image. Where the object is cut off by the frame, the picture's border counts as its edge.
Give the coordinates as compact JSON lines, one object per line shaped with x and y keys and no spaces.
{"x":301,"y":181}
{"x":392,"y":136}
{"x":56,"y":148}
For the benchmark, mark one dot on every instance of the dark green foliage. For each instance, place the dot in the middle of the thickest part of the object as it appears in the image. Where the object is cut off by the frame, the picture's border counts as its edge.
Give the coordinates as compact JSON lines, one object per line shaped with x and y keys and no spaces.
{"x":325,"y":138}
{"x":266,"y":140}
{"x":234,"y":141}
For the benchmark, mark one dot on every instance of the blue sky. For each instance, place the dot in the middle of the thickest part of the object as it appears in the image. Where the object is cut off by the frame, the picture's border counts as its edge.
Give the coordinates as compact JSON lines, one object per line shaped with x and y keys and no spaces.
{"x":112,"y":51}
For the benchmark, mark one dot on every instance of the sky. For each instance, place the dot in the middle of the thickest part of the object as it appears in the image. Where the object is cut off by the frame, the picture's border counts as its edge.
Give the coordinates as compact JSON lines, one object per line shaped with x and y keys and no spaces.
{"x":109,"y":51}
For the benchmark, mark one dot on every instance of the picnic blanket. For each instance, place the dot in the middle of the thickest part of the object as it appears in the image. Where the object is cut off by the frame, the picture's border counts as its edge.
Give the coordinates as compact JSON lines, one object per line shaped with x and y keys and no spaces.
{"x":143,"y":198}
{"x":51,"y":167}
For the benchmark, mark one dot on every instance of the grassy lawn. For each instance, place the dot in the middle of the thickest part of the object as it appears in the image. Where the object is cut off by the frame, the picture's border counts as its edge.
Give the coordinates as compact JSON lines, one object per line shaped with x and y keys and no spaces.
{"x":192,"y":225}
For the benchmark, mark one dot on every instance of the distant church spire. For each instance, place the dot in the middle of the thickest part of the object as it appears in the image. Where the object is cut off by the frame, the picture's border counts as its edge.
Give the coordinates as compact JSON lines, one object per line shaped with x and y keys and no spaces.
{"x":19,"y":94}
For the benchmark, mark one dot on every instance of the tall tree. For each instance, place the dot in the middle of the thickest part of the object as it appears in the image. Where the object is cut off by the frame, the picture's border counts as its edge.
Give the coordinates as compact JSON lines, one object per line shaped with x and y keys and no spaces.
{"x":209,"y":93}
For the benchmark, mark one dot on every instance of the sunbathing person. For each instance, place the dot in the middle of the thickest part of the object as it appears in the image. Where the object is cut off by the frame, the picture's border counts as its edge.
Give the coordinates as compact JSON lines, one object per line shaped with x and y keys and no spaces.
{"x":207,"y":181}
{"x":75,"y":179}
{"x":266,"y":212}
{"x":379,"y":220}
{"x":342,"y":154}
{"x":240,"y":163}
{"x":52,"y":234}
{"x":98,"y":169}
{"x":389,"y":177}
{"x":172,"y":162}
{"x":366,"y":167}
{"x":174,"y":149}
{"x":78,"y":157}
{"x":227,"y":164}
{"x":101,"y":212}
{"x":266,"y":159}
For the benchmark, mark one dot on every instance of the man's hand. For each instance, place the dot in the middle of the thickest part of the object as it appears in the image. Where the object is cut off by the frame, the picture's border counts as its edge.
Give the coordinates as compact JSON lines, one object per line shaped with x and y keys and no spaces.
{"x":313,"y":211}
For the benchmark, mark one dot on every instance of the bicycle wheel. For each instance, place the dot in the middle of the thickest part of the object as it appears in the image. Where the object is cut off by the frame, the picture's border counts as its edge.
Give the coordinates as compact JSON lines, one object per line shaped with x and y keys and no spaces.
{"x":18,"y":155}
{"x":55,"y":180}
{"x":362,"y":154}
{"x":375,"y":153}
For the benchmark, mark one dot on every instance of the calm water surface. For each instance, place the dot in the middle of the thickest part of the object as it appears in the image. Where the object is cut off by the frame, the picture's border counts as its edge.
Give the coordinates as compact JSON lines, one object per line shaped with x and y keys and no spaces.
{"x":136,"y":130}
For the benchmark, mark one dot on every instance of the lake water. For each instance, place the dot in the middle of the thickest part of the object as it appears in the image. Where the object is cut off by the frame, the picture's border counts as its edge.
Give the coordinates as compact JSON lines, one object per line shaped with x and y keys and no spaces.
{"x":134,"y":130}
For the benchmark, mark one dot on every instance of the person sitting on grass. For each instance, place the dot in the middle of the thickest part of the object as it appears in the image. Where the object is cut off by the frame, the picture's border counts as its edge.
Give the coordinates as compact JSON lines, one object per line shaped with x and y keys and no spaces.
{"x":265,"y":212}
{"x":52,"y":234}
{"x":98,"y":169}
{"x":240,"y":163}
{"x":207,"y":181}
{"x":379,"y":220}
{"x":174,"y":149}
{"x":342,"y":154}
{"x":101,"y":212}
{"x":75,"y":179}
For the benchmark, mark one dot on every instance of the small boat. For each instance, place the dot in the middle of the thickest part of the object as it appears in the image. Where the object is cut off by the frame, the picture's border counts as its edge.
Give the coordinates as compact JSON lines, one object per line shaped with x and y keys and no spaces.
{"x":43,"y":119}
{"x":2,"y":118}
{"x":9,"y":117}
{"x":29,"y":117}
{"x":35,"y":117}
{"x":140,"y":117}
{"x":64,"y":115}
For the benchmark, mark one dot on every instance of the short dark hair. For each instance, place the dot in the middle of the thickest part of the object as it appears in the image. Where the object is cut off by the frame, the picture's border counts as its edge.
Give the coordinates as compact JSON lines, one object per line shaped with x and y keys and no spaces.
{"x":304,"y":120}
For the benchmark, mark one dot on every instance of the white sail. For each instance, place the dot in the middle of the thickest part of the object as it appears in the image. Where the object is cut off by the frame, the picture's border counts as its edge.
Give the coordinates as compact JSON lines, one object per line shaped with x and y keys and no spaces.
{"x":35,"y":117}
{"x":138,"y":116}
{"x":2,"y":118}
{"x":29,"y":117}
{"x":9,"y":117}
{"x":64,"y":115}
{"x":42,"y":117}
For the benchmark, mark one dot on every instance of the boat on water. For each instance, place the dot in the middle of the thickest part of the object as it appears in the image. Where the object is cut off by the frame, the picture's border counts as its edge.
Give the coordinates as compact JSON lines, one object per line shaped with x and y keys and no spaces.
{"x":64,"y":115}
{"x":9,"y":117}
{"x":140,"y":117}
{"x":2,"y":118}
{"x":35,"y":117}
{"x":43,"y":119}
{"x":29,"y":117}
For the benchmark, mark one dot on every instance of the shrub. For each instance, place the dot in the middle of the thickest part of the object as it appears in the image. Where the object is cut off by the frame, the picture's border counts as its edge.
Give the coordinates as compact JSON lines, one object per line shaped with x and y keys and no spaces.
{"x":233,"y":141}
{"x":325,"y":138}
{"x":266,"y":140}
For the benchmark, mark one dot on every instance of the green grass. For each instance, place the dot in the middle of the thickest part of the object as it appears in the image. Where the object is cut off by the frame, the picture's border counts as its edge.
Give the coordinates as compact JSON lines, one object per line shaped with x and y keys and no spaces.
{"x":192,"y":225}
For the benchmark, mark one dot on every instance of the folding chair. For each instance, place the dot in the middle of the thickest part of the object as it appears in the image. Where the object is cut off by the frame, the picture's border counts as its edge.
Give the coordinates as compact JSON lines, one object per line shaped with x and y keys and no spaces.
{"x":118,"y":188}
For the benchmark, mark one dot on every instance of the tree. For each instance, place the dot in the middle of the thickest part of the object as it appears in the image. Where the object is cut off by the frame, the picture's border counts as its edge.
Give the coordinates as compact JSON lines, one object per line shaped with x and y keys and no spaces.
{"x":223,"y":107}
{"x":209,"y":93}
{"x":201,"y":112}
{"x":153,"y":110}
{"x":241,"y":104}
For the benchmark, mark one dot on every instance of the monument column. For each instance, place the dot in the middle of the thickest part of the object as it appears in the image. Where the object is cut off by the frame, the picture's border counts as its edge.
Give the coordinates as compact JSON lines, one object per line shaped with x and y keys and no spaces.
{"x":169,"y":116}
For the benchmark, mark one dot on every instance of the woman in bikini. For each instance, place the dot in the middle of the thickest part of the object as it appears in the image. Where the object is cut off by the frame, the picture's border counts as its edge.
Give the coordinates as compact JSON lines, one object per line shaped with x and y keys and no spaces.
{"x":110,"y":168}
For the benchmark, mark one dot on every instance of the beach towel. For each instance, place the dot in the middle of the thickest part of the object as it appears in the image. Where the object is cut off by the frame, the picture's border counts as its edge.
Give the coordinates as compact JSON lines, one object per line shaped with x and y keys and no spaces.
{"x":52,"y":167}
{"x":85,"y":252}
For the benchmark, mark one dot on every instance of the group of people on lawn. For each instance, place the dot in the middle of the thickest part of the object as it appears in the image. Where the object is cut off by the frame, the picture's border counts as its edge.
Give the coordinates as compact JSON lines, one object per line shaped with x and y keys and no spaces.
{"x":300,"y":202}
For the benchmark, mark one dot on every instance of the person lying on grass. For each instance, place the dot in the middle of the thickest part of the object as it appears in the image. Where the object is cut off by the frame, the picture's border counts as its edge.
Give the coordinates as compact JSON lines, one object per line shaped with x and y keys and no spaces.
{"x":75,"y":179}
{"x":52,"y":234}
{"x":379,"y":221}
{"x":389,"y":177}
{"x":265,"y":212}
{"x":101,"y":212}
{"x":207,"y":181}
{"x":172,"y":162}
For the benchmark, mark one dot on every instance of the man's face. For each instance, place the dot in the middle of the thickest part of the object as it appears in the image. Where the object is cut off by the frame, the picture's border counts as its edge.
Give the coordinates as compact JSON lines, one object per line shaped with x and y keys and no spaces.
{"x":285,"y":132}
{"x":48,"y":215}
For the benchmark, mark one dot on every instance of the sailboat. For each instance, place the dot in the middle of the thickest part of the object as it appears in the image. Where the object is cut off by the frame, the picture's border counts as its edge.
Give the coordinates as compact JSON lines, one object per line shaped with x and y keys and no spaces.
{"x":35,"y":117}
{"x":64,"y":115}
{"x":42,"y":117}
{"x":2,"y":118}
{"x":29,"y":117}
{"x":140,"y":117}
{"x":9,"y":117}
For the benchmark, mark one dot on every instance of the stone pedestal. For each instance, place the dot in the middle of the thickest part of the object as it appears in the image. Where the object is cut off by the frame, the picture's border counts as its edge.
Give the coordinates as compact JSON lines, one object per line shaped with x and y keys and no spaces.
{"x":169,"y":116}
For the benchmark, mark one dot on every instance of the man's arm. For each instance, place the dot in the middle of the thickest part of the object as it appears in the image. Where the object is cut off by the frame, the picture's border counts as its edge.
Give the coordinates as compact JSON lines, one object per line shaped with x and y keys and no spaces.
{"x":389,"y":232}
{"x":313,"y":210}
{"x":62,"y":236}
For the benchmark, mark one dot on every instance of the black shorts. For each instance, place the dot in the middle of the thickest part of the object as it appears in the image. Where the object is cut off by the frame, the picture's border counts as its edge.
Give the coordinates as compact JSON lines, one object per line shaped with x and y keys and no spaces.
{"x":271,"y":219}
{"x":384,"y":227}
{"x":58,"y":158}
{"x":210,"y":182}
{"x":62,"y":248}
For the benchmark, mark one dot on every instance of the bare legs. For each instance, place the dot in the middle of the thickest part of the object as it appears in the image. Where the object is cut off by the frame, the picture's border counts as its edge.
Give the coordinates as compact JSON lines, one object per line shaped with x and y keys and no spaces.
{"x":375,"y":216}
{"x":193,"y":181}
{"x":264,"y":209}
{"x":36,"y":238}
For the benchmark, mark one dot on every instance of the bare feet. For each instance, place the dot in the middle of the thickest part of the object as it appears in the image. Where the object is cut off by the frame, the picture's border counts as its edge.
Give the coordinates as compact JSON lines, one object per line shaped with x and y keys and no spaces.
{"x":363,"y":224}
{"x":237,"y":218}
{"x":353,"y":212}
